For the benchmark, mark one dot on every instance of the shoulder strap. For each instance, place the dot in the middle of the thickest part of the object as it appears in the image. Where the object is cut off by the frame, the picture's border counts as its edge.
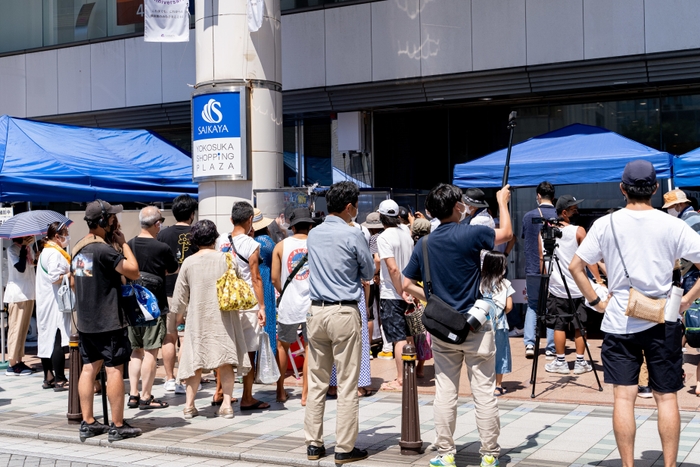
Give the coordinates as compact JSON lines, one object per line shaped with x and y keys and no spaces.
{"x":428,"y":286}
{"x":233,"y":247}
{"x":294,"y":272}
{"x":41,"y":263}
{"x":617,"y":246}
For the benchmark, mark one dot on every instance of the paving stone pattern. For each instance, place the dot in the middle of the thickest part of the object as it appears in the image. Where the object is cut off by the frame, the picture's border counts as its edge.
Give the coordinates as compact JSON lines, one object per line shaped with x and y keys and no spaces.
{"x":34,"y":432}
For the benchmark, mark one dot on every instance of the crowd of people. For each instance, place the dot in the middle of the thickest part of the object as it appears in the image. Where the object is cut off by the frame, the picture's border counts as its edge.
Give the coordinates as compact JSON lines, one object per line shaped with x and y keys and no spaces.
{"x":320,"y":283}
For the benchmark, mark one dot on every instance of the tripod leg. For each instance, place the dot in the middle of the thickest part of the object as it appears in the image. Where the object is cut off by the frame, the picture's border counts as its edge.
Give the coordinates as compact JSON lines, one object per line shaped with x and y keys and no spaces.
{"x":582,"y":330}
{"x":539,"y":322}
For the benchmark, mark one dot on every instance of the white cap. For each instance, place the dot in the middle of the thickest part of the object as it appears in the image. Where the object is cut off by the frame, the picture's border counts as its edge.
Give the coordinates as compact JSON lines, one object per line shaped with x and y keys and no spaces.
{"x":388,"y":207}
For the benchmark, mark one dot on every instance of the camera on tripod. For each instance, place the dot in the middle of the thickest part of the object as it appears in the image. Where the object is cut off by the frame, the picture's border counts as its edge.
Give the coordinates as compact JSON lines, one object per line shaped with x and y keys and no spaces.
{"x":550,"y":232}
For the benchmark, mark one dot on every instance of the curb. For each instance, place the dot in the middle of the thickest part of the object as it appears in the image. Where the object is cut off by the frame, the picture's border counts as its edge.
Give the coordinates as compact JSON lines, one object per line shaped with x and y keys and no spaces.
{"x":285,"y":459}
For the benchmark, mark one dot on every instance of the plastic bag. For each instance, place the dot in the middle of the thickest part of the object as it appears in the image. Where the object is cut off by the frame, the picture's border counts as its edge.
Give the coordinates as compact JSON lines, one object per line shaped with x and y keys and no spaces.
{"x":66,"y":297}
{"x":140,"y":305}
{"x":423,"y":349}
{"x":267,"y":372}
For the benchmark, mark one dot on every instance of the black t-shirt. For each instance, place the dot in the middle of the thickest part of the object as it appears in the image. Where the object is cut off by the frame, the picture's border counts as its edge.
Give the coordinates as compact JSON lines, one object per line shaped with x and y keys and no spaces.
{"x":98,"y":289}
{"x":178,"y":238}
{"x":454,"y":252}
{"x":157,"y":258}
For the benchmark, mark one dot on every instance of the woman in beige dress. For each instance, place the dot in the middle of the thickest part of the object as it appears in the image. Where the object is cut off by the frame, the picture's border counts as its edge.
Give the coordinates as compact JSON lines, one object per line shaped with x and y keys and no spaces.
{"x":213,"y":338}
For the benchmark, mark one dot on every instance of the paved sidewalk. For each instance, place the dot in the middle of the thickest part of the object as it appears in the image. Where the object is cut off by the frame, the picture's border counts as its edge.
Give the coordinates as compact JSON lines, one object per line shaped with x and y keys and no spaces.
{"x":533,"y":433}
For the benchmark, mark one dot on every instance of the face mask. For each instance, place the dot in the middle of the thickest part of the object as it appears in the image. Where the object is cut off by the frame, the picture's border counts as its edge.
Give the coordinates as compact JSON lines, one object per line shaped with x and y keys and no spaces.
{"x":463,"y":214}
{"x":574,"y":218}
{"x":354,"y":218}
{"x":284,"y":225}
{"x":674,"y":211}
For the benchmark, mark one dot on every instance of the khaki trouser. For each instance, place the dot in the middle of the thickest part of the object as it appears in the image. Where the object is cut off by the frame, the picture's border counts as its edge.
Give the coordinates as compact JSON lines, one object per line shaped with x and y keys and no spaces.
{"x":478,"y":352}
{"x":334,"y":334}
{"x":20,"y":314}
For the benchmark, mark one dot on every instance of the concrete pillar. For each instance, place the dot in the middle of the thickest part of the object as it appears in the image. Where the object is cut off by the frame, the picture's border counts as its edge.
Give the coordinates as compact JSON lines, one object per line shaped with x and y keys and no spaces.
{"x":227,"y":53}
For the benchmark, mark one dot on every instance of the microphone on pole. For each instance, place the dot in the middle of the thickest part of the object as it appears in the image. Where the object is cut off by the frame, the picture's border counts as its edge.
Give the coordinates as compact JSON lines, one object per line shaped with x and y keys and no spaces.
{"x":511,"y":126}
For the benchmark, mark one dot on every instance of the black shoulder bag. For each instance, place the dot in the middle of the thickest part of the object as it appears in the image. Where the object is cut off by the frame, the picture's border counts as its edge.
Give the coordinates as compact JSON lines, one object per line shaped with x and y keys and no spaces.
{"x":291,"y":276}
{"x":439,"y":318}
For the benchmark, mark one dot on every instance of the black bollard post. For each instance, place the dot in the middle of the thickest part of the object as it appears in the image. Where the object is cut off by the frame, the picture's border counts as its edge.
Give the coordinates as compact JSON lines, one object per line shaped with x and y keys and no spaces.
{"x":75,"y":367}
{"x":410,"y":443}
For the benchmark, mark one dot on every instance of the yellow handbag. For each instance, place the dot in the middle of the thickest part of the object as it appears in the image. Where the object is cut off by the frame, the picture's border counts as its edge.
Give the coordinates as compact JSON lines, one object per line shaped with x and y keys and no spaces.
{"x":233,"y":292}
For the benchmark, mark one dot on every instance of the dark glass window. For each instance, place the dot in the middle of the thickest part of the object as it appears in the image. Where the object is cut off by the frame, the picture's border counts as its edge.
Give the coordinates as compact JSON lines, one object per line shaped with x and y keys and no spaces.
{"x":318,"y":167}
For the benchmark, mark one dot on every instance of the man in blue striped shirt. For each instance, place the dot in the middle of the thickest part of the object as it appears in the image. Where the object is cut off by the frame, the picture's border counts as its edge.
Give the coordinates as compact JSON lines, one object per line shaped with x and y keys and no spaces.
{"x":339,"y":259}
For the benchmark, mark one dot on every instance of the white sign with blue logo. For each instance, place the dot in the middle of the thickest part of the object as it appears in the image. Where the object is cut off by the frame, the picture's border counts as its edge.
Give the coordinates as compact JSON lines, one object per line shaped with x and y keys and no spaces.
{"x":218,"y":136}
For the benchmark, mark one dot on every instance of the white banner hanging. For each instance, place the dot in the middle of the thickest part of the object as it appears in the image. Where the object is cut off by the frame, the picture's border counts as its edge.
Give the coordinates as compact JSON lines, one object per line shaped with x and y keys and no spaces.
{"x":166,"y":21}
{"x":255,"y":14}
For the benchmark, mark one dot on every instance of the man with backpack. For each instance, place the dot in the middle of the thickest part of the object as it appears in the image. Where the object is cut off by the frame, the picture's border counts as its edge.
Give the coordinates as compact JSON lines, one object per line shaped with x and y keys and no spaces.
{"x":678,"y":205}
{"x":155,"y":259}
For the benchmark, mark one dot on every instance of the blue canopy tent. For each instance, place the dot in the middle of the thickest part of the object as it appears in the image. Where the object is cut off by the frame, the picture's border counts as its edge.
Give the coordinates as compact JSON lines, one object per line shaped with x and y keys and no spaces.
{"x":43,"y":162}
{"x":574,"y":154}
{"x":686,"y":169}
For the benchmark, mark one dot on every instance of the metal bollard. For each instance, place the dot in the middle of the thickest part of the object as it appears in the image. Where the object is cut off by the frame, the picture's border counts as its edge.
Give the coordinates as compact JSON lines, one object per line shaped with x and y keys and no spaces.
{"x":75,"y":367}
{"x":410,"y":443}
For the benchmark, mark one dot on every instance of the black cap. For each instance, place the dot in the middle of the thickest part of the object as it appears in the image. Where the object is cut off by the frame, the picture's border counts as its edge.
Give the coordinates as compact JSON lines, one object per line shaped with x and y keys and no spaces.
{"x":475,"y":197}
{"x":566,"y":201}
{"x":300,"y":216}
{"x":639,"y":173}
{"x":97,"y":208}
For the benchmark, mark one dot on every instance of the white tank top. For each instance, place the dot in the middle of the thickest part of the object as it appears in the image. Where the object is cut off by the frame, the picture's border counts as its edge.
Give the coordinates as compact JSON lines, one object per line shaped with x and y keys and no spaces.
{"x":565,"y":250}
{"x":296,"y":299}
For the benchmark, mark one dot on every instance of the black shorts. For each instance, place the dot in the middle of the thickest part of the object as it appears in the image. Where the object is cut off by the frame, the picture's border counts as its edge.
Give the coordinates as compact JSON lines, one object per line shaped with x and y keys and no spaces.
{"x":622,"y":356}
{"x":373,"y":298}
{"x":393,"y":314}
{"x":559,"y":316}
{"x":113,"y":347}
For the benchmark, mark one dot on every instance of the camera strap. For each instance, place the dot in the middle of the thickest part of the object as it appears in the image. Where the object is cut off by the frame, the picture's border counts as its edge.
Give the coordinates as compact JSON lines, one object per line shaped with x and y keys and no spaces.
{"x":619,"y":252}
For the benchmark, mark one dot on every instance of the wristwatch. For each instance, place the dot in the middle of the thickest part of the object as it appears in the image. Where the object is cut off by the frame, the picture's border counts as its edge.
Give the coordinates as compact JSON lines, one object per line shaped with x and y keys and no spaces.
{"x":594,"y":302}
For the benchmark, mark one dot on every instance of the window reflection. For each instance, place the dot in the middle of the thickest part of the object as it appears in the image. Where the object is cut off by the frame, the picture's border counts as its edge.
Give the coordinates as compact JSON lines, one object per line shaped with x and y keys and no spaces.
{"x":637,"y":119}
{"x":31,"y":24}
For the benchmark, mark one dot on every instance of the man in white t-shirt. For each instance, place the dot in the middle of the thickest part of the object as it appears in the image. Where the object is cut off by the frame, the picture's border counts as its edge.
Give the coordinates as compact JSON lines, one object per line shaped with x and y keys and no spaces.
{"x":395,"y":247}
{"x":247,"y":252}
{"x":639,"y":245}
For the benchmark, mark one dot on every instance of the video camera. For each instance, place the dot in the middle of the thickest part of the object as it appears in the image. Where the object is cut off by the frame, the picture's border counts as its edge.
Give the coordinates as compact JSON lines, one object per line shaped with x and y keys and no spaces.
{"x":550,"y":232}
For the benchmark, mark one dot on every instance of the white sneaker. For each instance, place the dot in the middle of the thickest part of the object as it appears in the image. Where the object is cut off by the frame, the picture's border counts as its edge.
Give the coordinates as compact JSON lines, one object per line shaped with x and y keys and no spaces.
{"x":515,"y":332}
{"x":169,"y":385}
{"x":557,"y":367}
{"x":581,"y":367}
{"x":529,"y":351}
{"x":549,"y":355}
{"x":180,"y":389}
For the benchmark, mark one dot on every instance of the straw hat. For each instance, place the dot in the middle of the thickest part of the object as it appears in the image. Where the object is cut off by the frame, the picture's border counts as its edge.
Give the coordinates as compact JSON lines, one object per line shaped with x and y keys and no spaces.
{"x":260,"y":222}
{"x":674,"y":197}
